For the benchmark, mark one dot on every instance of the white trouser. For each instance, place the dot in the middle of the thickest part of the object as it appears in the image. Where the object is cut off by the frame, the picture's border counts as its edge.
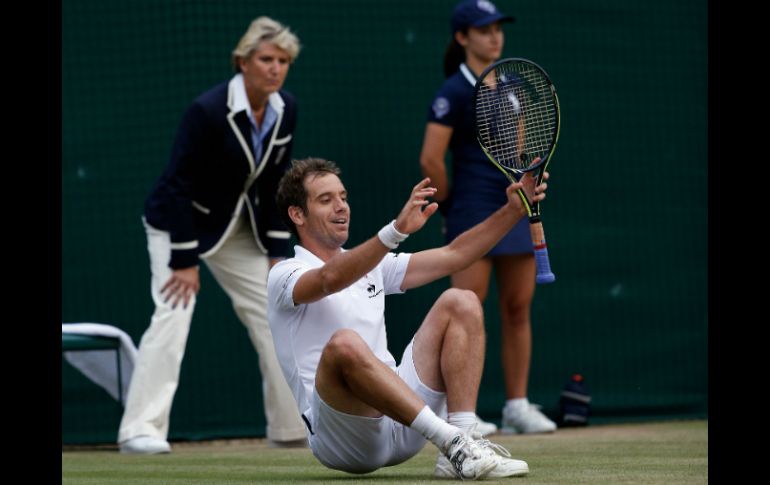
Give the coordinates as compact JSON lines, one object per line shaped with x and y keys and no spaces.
{"x":241,"y":269}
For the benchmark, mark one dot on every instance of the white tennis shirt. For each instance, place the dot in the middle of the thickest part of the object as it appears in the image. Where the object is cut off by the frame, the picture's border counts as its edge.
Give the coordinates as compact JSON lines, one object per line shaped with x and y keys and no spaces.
{"x":300,"y":332}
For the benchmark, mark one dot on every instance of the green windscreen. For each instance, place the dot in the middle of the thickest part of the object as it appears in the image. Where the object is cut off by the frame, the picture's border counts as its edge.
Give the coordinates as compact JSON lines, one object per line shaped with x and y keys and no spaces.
{"x":628,"y":244}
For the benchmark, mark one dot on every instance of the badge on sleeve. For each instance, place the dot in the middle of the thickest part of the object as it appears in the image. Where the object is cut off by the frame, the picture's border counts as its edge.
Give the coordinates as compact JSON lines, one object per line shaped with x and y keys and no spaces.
{"x":440,"y":107}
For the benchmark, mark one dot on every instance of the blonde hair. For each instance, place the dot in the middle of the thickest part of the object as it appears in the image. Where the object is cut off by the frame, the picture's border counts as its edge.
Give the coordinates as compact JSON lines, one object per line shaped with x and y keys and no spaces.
{"x":265,"y":29}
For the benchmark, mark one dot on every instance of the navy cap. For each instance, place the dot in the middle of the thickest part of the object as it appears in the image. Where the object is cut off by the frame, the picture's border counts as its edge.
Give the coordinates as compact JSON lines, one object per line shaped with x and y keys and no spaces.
{"x":476,"y":13}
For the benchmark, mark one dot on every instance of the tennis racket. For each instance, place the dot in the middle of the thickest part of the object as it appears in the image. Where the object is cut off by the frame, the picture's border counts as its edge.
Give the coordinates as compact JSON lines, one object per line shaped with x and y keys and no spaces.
{"x":517,"y":126}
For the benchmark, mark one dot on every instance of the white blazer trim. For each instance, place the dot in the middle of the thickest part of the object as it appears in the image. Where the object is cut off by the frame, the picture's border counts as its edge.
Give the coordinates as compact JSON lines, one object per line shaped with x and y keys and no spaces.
{"x":228,"y":231}
{"x":279,"y":234}
{"x":253,"y":224}
{"x":244,"y":145}
{"x":184,"y":245}
{"x":277,"y":103}
{"x":237,"y":101}
{"x":201,"y":208}
{"x":286,"y":139}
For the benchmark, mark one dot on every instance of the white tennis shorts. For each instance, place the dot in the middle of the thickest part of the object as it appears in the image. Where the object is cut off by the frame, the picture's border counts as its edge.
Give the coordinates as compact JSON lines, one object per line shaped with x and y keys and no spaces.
{"x":357,"y":444}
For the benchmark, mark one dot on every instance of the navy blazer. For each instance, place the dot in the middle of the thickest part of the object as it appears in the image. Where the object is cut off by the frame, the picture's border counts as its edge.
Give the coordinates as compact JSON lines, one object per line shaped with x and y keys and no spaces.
{"x":212,"y":174}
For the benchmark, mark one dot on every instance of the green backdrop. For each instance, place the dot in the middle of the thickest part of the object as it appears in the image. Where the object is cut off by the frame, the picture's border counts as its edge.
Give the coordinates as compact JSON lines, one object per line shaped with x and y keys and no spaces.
{"x":626,"y":214}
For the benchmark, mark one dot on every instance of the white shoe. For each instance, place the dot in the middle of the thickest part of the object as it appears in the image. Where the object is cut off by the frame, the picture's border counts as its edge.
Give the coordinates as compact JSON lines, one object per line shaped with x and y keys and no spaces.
{"x":145,"y":445}
{"x":484,"y":427}
{"x":505,"y":465}
{"x":526,"y":421}
{"x":462,"y":457}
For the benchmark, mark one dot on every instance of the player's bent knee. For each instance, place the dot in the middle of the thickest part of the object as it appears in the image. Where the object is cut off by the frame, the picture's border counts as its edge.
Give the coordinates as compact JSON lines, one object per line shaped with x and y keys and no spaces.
{"x":345,"y":347}
{"x":464,"y":304}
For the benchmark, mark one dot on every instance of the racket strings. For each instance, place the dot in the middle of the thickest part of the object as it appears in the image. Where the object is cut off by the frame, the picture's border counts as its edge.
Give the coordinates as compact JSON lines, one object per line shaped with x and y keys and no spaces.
{"x":516,"y":116}
{"x":511,"y":133}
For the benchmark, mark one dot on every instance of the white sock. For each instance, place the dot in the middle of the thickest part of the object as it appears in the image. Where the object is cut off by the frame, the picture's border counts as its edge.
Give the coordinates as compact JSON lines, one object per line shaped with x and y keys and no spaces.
{"x":465,"y":420}
{"x":435,"y":429}
{"x":518,"y":404}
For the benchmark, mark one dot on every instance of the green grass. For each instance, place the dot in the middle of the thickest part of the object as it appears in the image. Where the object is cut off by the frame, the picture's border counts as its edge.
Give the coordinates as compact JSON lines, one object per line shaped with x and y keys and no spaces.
{"x":648,"y":453}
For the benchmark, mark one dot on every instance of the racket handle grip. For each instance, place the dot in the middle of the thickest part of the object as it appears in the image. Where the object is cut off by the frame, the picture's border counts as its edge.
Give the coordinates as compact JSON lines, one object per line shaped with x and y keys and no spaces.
{"x":544,"y":274}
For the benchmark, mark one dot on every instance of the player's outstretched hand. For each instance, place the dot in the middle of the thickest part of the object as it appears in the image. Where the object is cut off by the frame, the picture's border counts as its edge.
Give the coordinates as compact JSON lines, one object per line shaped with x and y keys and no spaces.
{"x":417,"y":209}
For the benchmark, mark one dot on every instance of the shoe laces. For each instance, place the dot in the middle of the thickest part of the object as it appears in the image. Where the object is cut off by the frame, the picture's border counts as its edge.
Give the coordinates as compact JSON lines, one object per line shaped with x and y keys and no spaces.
{"x":485,"y":444}
{"x":493,"y":447}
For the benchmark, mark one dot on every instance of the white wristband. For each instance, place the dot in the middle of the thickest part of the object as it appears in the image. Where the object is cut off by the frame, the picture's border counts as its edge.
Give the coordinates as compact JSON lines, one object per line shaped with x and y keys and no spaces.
{"x":389,"y":236}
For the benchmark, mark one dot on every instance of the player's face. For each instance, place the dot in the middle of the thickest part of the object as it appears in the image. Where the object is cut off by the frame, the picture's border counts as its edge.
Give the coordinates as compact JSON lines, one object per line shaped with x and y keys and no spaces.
{"x":328,"y":214}
{"x":265,"y":70}
{"x":485,"y":43}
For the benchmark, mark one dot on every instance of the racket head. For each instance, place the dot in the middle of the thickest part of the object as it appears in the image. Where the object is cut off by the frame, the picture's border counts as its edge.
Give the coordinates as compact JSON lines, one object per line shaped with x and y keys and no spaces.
{"x":517,"y":115}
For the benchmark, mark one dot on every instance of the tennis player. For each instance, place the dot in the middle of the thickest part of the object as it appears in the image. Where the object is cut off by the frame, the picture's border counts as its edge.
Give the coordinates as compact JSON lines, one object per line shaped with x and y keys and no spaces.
{"x":326,"y":307}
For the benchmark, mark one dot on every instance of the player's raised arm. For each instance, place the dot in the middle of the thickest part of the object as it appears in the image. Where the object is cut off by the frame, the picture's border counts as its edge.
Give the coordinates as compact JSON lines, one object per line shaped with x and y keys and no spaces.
{"x":432,"y":264}
{"x":323,"y":229}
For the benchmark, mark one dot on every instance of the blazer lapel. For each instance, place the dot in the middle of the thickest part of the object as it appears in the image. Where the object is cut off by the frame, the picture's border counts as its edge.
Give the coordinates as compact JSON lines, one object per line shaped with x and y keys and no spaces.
{"x":241,"y":126}
{"x":239,"y":123}
{"x":270,"y":140}
{"x":237,"y":104}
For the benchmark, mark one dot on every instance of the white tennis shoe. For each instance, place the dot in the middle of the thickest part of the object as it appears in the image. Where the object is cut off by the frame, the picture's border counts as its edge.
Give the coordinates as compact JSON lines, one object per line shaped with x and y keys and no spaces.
{"x":504,"y":465}
{"x":526,"y":421}
{"x":462,"y":457}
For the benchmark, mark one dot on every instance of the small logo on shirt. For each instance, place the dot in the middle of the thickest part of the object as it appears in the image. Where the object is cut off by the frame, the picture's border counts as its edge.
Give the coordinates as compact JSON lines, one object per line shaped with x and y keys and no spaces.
{"x":371,"y":290}
{"x":440,"y":107}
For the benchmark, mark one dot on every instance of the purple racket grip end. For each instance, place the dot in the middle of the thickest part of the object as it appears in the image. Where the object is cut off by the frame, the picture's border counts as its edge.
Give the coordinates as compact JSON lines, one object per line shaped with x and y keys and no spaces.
{"x":544,"y":274}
